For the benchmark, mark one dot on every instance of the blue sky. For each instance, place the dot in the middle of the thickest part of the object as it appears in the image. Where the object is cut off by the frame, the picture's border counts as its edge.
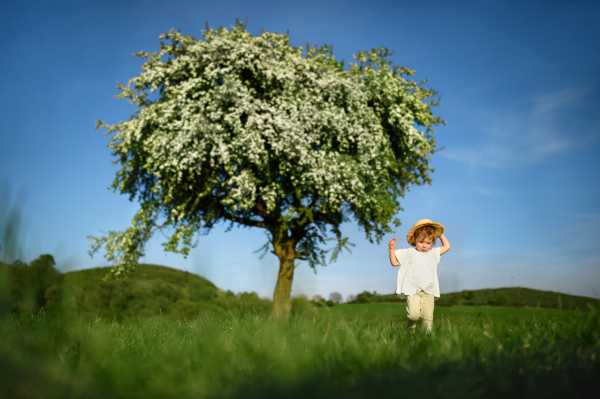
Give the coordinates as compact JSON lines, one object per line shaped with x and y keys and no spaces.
{"x":516,"y":186}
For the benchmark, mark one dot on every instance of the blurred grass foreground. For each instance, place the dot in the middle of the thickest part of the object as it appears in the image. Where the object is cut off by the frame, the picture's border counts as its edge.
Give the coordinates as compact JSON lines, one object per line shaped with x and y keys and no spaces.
{"x":165,"y":333}
{"x":252,"y":356}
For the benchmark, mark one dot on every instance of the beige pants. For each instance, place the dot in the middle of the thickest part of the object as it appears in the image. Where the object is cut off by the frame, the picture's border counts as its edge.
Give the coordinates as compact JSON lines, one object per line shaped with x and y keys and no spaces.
{"x":418,"y":306}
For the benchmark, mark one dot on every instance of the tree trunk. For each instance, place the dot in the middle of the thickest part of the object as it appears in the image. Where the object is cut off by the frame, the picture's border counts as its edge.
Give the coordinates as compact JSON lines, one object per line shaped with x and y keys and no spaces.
{"x":286,"y":252}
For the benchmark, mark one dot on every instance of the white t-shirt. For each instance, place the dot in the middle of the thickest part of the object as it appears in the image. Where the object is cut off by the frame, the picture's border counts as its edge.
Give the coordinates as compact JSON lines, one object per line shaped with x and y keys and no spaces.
{"x":418,"y":271}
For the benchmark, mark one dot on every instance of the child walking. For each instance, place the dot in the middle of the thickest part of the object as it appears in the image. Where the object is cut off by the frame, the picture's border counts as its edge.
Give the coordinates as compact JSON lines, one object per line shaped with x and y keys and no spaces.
{"x":417,"y":276}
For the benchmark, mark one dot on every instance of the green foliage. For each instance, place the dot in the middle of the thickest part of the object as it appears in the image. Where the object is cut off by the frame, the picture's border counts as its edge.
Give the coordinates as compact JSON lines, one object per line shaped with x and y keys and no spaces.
{"x":302,"y":307}
{"x":520,"y":297}
{"x":319,"y":301}
{"x":251,"y":130}
{"x":469,"y":295}
{"x":501,"y":300}
{"x":364,"y":297}
{"x":386,"y":298}
{"x":33,"y":286}
{"x":251,"y":356}
{"x":244,"y":303}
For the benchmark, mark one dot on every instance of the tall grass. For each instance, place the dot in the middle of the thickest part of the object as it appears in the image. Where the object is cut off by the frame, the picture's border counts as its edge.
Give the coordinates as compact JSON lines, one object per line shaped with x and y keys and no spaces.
{"x":253,"y":356}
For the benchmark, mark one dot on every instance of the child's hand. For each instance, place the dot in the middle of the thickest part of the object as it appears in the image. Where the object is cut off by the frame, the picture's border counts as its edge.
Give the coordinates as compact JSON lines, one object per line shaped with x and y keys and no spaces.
{"x":392,"y":243}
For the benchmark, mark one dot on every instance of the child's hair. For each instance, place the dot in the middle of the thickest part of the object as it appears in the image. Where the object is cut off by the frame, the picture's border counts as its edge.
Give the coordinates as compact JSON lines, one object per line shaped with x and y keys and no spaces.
{"x":425,"y":232}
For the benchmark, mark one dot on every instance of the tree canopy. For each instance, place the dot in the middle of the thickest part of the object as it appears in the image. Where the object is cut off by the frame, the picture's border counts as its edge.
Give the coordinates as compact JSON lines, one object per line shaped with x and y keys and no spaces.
{"x":252,"y":131}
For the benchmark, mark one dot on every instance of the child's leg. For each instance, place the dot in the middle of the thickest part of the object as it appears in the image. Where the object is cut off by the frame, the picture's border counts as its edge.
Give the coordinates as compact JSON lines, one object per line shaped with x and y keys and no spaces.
{"x":413,"y":310}
{"x":427,"y":311}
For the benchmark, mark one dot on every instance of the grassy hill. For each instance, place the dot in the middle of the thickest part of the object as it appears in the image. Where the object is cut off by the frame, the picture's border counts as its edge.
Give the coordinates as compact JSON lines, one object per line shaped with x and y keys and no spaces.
{"x":151,"y":290}
{"x":516,"y":296}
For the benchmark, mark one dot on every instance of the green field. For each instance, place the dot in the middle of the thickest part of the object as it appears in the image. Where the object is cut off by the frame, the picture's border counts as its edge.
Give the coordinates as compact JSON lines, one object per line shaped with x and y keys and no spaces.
{"x":457,"y":314}
{"x":165,"y":333}
{"x":348,"y":351}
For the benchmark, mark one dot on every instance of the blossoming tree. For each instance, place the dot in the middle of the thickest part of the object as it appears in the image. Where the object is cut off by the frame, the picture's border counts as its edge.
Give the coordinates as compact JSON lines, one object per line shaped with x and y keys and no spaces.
{"x":252,"y":131}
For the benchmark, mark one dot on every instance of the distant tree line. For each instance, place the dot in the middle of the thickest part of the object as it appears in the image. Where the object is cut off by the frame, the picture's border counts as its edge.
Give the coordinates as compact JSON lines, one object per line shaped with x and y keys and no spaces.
{"x":514,"y":296}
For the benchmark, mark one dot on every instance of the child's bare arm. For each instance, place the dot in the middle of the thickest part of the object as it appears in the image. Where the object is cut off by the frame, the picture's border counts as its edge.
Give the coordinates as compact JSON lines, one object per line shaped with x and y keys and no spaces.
{"x":391,"y":246}
{"x":445,"y":245}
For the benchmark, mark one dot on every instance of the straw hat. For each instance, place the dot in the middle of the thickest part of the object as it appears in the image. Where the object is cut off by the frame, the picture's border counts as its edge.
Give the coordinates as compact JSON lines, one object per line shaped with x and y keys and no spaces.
{"x":439,"y":230}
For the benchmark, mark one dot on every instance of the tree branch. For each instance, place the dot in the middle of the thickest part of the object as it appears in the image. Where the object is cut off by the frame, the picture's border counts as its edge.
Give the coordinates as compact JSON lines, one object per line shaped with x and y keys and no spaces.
{"x":238,"y":219}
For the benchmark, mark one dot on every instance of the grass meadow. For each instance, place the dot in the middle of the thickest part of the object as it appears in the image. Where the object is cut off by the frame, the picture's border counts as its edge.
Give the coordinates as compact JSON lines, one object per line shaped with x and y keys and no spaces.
{"x":348,"y":351}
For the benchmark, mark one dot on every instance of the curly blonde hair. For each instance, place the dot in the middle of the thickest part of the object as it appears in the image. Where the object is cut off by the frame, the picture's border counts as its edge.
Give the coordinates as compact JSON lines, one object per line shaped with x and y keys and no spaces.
{"x":425,"y":232}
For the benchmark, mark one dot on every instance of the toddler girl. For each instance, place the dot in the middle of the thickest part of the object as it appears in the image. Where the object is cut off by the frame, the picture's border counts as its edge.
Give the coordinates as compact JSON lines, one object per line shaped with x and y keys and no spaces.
{"x":417,"y":276}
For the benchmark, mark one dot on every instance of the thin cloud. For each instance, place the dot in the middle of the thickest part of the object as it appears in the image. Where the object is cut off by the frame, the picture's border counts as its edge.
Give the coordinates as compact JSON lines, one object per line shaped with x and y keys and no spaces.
{"x":544,"y":126}
{"x":485,"y":191}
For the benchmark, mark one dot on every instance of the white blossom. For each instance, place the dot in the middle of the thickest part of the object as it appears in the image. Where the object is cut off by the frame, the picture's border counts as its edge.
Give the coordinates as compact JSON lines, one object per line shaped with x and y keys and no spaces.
{"x":252,"y":130}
